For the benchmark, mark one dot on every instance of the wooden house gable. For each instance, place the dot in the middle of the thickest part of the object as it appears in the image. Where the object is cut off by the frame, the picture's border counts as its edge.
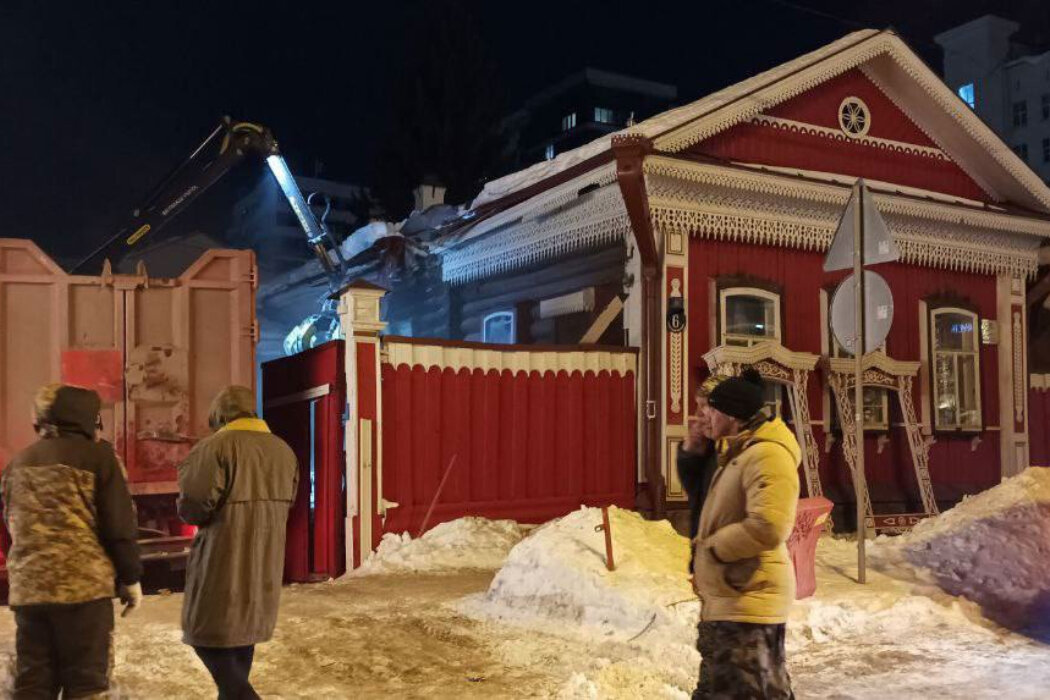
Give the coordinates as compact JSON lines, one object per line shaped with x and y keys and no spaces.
{"x":846,"y":126}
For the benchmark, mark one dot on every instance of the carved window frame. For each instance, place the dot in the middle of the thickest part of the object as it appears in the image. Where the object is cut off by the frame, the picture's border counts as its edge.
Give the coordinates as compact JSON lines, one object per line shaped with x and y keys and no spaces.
{"x":499,"y":315}
{"x":935,"y":309}
{"x":751,"y":288}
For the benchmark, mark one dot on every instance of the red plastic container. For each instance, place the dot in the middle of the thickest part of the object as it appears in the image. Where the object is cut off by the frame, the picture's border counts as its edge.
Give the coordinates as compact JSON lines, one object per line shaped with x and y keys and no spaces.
{"x":802,"y":544}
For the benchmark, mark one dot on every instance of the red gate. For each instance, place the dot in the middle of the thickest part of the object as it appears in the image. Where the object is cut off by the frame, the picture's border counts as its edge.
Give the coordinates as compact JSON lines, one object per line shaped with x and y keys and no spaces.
{"x":303,"y":401}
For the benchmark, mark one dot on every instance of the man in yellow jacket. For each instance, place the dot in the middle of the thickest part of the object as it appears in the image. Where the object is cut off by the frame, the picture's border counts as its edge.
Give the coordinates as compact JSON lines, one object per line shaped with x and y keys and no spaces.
{"x":743,"y":573}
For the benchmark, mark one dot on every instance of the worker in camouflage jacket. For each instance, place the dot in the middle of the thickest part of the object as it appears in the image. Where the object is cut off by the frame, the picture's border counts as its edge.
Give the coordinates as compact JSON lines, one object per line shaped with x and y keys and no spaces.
{"x":238,"y":486}
{"x":742,"y":571}
{"x":73,"y":533}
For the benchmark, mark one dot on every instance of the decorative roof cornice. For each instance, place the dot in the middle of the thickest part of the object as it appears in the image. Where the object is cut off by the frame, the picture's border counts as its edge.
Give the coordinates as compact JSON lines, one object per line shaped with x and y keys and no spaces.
{"x":595,"y":218}
{"x":838,"y":194}
{"x":716,"y":201}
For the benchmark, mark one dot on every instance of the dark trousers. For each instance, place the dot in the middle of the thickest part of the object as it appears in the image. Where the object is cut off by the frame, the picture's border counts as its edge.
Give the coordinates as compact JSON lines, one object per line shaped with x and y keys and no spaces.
{"x":742,"y":661}
{"x":230,"y":668}
{"x":66,"y":648}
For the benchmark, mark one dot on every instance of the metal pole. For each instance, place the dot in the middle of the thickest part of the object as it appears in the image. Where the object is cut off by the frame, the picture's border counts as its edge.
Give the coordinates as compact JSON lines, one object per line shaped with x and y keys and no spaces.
{"x":858,"y":356}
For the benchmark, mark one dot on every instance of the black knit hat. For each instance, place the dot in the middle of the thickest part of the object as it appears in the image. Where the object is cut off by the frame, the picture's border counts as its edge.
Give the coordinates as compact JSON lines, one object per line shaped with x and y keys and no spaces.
{"x":739,"y":397}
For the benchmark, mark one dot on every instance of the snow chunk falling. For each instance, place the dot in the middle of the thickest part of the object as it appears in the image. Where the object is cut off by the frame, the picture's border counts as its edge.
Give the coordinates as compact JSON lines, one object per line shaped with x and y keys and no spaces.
{"x":993,"y":548}
{"x":466,"y":543}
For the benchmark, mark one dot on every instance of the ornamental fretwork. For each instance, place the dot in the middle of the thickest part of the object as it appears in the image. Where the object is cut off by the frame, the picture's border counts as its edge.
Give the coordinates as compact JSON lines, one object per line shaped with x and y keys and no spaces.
{"x":791,"y":369}
{"x":881,"y":371}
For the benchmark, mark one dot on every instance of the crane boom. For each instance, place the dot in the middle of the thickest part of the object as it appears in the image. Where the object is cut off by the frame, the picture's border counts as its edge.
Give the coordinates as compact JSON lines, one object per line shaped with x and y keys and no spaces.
{"x":229,"y":144}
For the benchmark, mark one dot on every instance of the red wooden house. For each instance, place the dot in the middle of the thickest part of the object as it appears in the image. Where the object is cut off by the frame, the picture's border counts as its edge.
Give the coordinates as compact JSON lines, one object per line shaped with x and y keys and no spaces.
{"x":726,"y":206}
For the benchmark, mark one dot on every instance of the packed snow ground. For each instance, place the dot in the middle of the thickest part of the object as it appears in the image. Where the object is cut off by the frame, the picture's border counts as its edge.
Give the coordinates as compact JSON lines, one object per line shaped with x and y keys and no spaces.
{"x":553,"y":622}
{"x":466,"y":543}
{"x":993,"y":548}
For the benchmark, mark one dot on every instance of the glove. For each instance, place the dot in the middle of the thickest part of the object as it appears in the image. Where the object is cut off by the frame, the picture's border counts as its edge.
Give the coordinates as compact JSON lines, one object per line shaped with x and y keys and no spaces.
{"x":130,"y":596}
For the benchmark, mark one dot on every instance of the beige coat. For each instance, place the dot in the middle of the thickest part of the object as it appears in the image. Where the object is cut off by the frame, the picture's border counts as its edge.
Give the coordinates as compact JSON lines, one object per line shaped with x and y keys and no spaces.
{"x":743,"y":572}
{"x":238,"y":486}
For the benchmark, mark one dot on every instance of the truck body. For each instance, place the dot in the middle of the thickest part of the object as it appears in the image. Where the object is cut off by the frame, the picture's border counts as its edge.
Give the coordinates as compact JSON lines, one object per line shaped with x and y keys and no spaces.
{"x":155,"y":349}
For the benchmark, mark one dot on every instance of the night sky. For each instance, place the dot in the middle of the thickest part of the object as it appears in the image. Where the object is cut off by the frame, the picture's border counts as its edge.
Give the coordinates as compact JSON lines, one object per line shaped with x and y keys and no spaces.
{"x":98,"y":105}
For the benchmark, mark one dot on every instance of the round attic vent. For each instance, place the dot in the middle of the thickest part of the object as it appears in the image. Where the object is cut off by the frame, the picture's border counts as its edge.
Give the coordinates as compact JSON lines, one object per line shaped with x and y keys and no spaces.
{"x":854,"y":117}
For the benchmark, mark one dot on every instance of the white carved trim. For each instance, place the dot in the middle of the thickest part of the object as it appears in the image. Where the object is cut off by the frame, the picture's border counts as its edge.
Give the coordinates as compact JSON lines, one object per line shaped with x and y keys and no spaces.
{"x":837,"y":190}
{"x":836,"y":135}
{"x":731,"y":204}
{"x":779,"y":88}
{"x":597,"y":218}
{"x":759,"y":352}
{"x":543,"y":203}
{"x":1018,"y":359}
{"x":773,"y":93}
{"x":863,"y":110}
{"x":874,"y":361}
{"x":528,"y":361}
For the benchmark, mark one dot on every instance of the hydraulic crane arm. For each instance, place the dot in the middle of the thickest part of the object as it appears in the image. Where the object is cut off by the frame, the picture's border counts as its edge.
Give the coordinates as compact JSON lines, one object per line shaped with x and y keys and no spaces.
{"x":224,"y":148}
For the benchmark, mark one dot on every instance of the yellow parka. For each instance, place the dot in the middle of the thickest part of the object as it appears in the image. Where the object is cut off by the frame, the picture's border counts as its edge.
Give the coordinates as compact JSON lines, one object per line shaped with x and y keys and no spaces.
{"x":743,"y":572}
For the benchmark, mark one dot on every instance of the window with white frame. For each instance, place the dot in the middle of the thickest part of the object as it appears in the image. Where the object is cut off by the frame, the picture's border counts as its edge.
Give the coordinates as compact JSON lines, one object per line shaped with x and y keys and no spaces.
{"x":498,"y":327}
{"x":876,"y":399}
{"x":749,"y":316}
{"x":603,"y":115}
{"x":955,"y":367}
{"x":568,"y":121}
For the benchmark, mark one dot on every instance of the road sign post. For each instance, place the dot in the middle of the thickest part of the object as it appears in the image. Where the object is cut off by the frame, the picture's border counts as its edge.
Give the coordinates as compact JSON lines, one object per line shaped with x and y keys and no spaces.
{"x":859,"y":484}
{"x":861,"y":238}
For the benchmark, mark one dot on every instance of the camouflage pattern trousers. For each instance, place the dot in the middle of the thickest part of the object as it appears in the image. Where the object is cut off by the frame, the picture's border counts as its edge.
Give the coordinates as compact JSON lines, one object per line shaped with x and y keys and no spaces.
{"x":742,"y":661}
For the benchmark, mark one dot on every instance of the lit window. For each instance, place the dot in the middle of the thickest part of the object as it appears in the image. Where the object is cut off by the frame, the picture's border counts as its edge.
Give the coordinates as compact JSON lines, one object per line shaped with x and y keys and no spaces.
{"x":876,"y":399}
{"x":1021,"y":113}
{"x":603,"y":115}
{"x":1022,"y":151}
{"x":966,"y":93}
{"x":956,"y":369}
{"x":549,"y":152}
{"x":498,"y":328}
{"x":568,"y":122}
{"x":750,"y":316}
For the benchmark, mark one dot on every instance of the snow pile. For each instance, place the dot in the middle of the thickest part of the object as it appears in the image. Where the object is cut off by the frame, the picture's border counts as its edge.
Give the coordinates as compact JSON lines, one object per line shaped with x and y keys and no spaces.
{"x":559,"y":574}
{"x":992,"y":548}
{"x":466,"y":543}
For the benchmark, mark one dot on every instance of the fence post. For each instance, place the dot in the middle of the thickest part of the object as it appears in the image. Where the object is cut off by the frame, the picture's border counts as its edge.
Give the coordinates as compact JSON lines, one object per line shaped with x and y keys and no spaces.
{"x":361,"y":324}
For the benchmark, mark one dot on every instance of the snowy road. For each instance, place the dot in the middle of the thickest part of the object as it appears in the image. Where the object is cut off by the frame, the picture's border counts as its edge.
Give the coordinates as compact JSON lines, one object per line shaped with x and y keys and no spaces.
{"x":576,"y":634}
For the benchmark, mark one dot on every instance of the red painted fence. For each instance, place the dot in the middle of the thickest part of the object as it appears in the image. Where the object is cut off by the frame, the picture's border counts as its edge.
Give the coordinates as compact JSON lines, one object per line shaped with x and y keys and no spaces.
{"x":535,"y":433}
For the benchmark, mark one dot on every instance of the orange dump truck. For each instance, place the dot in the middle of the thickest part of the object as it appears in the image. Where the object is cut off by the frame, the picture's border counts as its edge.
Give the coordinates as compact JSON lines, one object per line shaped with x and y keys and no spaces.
{"x":155,"y":349}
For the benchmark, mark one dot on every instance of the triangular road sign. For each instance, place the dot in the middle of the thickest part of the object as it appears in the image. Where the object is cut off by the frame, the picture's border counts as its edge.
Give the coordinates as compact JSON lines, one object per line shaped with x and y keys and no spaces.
{"x":879,"y":246}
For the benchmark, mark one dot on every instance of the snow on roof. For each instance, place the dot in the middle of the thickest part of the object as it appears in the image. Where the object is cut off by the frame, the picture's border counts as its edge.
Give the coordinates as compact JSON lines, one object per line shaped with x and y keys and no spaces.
{"x":885,"y":59}
{"x":661,"y":123}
